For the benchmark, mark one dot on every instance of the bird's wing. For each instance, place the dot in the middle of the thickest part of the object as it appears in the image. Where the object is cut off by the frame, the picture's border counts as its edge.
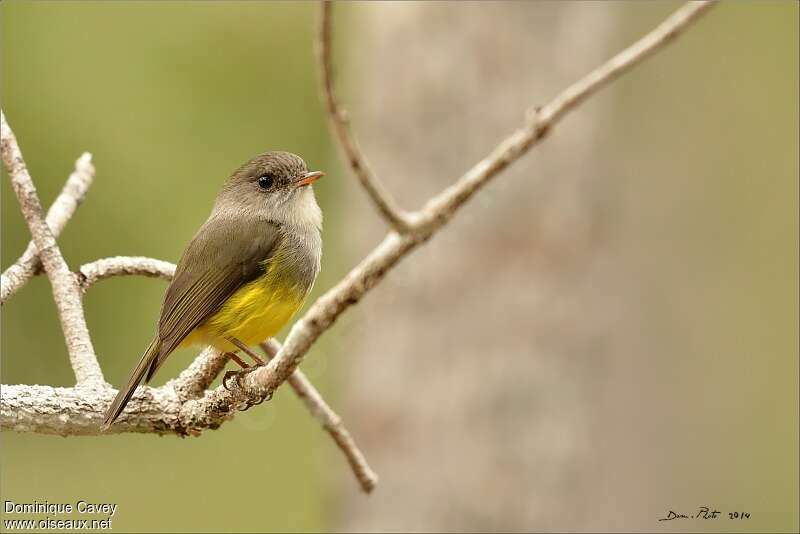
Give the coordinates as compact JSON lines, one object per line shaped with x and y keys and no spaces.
{"x":217,"y":262}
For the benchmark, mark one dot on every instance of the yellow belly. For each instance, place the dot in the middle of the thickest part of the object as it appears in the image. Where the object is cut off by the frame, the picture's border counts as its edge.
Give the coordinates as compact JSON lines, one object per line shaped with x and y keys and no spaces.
{"x":254,"y":313}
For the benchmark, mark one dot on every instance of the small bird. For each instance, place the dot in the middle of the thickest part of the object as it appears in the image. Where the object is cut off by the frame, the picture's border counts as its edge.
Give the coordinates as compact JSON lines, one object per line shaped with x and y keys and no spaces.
{"x":247,"y":270}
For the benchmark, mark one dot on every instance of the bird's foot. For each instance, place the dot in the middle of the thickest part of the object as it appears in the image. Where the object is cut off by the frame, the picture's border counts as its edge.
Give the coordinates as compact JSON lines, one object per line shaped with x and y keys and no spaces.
{"x":237,"y":379}
{"x":237,"y":375}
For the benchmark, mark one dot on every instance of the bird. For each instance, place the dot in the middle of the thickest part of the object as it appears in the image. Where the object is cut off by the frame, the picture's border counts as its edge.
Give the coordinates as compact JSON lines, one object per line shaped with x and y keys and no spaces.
{"x":247,"y":270}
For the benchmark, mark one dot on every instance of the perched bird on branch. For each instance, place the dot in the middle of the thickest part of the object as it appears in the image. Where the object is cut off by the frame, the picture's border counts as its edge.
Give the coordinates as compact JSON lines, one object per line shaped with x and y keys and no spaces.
{"x":247,"y":270}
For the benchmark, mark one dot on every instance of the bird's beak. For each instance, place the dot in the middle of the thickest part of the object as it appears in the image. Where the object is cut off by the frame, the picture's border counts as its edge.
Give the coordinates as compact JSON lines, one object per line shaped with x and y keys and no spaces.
{"x":309,"y":178}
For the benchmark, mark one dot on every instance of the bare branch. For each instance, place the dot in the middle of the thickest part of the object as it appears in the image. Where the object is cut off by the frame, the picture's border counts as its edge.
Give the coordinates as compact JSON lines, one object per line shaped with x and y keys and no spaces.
{"x":327,"y":309}
{"x":104,"y":268}
{"x":65,"y":289}
{"x":194,"y":380}
{"x":329,"y":420}
{"x":665,"y":32}
{"x":184,"y":407}
{"x":383,"y":201}
{"x":80,"y":411}
{"x":439,"y":209}
{"x":73,"y":193}
{"x":263,"y":381}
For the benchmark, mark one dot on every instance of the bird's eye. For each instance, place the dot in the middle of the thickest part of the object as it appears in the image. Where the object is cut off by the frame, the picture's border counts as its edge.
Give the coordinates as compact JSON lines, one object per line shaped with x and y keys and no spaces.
{"x":265,"y":181}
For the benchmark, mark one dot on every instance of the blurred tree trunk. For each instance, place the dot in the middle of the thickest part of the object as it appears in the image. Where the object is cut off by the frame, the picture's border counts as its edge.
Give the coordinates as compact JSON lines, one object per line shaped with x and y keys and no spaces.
{"x":481,"y":369}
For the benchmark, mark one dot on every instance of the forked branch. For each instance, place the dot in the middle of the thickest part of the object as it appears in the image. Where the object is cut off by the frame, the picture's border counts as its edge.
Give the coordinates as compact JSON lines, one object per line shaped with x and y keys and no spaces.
{"x":185,"y":405}
{"x":440,"y":209}
{"x":16,"y":276}
{"x":340,"y":122}
{"x":65,"y":288}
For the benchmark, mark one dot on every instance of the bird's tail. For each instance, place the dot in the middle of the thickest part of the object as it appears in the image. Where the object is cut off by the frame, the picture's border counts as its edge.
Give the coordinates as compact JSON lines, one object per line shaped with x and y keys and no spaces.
{"x":126,"y":392}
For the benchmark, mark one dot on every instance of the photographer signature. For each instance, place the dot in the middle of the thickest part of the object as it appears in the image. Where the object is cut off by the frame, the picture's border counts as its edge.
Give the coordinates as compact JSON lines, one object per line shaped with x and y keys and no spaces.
{"x":705,"y":513}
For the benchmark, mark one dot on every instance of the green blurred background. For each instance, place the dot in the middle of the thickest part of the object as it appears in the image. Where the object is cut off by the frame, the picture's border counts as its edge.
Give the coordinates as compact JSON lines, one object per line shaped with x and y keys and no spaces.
{"x":170,"y":97}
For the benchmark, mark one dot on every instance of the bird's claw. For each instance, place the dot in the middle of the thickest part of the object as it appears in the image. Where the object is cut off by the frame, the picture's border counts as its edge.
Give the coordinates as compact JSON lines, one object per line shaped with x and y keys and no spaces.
{"x":238,"y":380}
{"x":237,"y":374}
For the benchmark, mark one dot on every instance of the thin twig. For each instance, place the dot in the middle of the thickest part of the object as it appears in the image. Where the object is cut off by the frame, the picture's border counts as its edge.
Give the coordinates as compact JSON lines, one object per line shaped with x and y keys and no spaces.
{"x":539,"y":122}
{"x":330,"y":421}
{"x":263,"y":381}
{"x":609,"y":71}
{"x":95,"y":271}
{"x":65,"y":289}
{"x":71,"y":196}
{"x":381,"y":198}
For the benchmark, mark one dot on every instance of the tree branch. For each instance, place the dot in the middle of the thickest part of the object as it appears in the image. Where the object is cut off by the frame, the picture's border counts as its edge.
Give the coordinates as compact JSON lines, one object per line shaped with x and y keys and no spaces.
{"x":72,"y":412}
{"x":262,"y":382}
{"x":60,"y":212}
{"x":329,"y":420}
{"x":80,"y":411}
{"x":540,"y":121}
{"x":91,"y":273}
{"x":194,"y":380}
{"x":665,"y":32}
{"x":65,"y":289}
{"x":184,"y":406}
{"x":380,"y":197}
